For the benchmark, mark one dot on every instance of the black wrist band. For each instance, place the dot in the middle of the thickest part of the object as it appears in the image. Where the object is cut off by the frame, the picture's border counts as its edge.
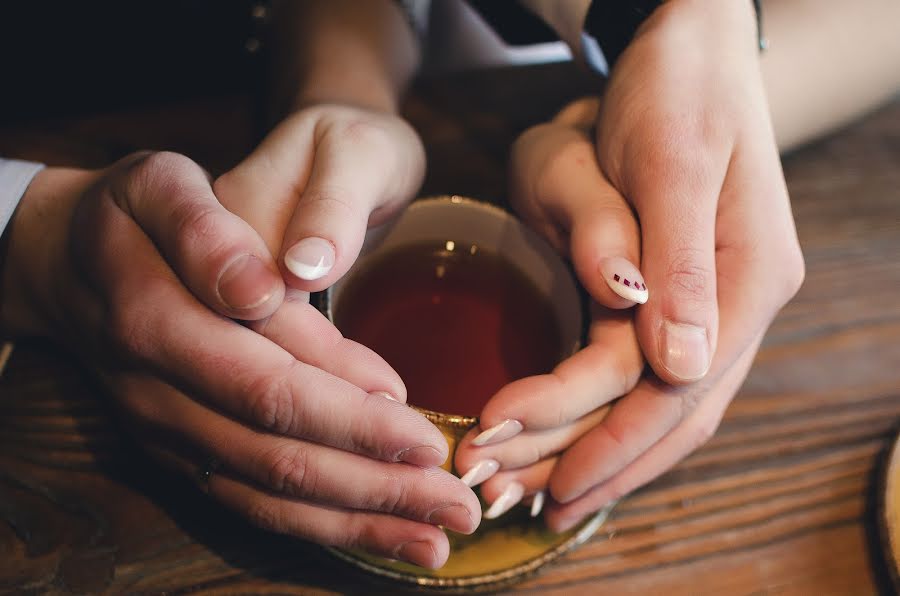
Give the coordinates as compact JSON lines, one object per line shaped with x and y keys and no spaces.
{"x":763,"y":42}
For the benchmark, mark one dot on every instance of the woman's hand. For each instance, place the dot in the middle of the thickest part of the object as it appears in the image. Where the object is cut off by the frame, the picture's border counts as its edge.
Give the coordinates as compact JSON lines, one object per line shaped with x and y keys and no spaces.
{"x":139,"y":269}
{"x":557,"y":187}
{"x":684,"y":134}
{"x":318,"y":181}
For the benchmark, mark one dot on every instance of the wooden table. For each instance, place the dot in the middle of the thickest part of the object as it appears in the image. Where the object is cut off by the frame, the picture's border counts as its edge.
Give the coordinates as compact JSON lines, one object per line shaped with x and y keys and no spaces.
{"x":783,"y":499}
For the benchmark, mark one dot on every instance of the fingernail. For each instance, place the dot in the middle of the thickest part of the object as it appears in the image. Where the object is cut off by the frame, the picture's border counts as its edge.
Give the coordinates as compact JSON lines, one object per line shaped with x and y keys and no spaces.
{"x":505,"y":430}
{"x":417,"y":552}
{"x":246,"y":283}
{"x":538,"y":503}
{"x":454,"y":517}
{"x":310,"y":258}
{"x":480,"y":472}
{"x":684,"y":350}
{"x":423,"y":455}
{"x":385,"y":395}
{"x":511,"y":495}
{"x":624,"y":279}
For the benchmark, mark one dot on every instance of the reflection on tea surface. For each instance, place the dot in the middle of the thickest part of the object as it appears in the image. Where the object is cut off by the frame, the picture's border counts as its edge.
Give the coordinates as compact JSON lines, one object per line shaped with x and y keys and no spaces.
{"x":457,"y":323}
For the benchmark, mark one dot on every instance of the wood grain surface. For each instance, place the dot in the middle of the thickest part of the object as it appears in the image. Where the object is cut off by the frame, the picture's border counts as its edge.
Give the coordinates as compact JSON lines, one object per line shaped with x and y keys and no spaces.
{"x":782,"y":500}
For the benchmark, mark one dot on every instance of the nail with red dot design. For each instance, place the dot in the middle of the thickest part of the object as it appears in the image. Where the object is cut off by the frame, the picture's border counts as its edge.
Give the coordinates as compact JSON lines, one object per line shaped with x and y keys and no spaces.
{"x":624,"y":279}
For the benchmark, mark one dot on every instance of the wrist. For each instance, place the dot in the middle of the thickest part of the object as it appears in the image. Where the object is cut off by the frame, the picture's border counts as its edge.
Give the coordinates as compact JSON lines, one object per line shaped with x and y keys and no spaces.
{"x":362,"y":90}
{"x":341,"y":51}
{"x":704,"y":25}
{"x":36,"y":249}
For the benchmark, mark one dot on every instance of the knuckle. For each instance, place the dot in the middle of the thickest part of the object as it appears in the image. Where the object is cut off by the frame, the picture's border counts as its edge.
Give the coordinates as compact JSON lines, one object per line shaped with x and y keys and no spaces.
{"x":130,"y":330}
{"x":530,"y":138}
{"x":793,"y":272}
{"x":329,"y":199}
{"x":152,"y":168}
{"x":688,"y":399}
{"x":365,"y":132}
{"x":390,"y":498}
{"x":523,"y":149}
{"x":577,"y":149}
{"x":559,"y":417}
{"x":689,"y":141}
{"x":195,"y":224}
{"x":137,"y":404}
{"x":703,"y":430}
{"x":685,"y":158}
{"x":265,"y":515}
{"x":153,"y":176}
{"x":689,"y":277}
{"x":703,"y":434}
{"x":359,"y":533}
{"x":557,"y":168}
{"x":537,"y":452}
{"x":783,"y":271}
{"x":272,"y":403}
{"x":628,"y":369}
{"x":163,"y":162}
{"x":361,"y":435}
{"x":130,"y":162}
{"x":292,"y":473}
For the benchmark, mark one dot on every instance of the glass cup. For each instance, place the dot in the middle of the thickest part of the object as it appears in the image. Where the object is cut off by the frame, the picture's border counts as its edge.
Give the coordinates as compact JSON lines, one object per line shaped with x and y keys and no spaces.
{"x":462,"y":222}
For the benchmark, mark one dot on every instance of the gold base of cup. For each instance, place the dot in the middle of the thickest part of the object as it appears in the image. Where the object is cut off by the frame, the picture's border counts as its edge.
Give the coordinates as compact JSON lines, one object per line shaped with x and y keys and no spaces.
{"x":501,"y":552}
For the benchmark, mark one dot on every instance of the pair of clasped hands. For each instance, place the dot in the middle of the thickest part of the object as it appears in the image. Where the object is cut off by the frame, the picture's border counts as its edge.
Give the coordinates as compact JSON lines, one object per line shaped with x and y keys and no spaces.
{"x":189,"y":297}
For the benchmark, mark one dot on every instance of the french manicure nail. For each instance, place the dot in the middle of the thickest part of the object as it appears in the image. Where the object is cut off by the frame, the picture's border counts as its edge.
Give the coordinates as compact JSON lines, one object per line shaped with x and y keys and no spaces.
{"x":624,"y":279}
{"x":684,"y":350}
{"x":480,"y":472}
{"x":505,"y":430}
{"x":538,"y":503}
{"x":455,"y":517}
{"x":310,"y":258}
{"x":418,"y":552}
{"x":423,"y":455}
{"x":246,"y":283}
{"x":511,"y":495}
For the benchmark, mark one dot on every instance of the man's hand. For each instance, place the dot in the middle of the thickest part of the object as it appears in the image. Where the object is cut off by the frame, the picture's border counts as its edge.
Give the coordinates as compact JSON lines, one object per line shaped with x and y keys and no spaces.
{"x":139,"y":269}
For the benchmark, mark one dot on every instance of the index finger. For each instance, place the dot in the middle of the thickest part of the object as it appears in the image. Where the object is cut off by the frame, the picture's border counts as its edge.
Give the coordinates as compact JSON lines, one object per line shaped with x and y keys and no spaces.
{"x":607,"y":368}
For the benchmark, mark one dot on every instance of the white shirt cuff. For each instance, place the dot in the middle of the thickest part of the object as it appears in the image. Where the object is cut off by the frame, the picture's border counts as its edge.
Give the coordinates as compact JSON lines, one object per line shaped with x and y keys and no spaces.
{"x":15,"y":176}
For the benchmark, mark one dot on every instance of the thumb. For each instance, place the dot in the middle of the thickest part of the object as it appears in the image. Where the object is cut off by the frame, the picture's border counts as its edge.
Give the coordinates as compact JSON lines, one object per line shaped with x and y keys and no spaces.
{"x":559,"y":189}
{"x":217,"y":255}
{"x":678,"y":327}
{"x":329,"y":173}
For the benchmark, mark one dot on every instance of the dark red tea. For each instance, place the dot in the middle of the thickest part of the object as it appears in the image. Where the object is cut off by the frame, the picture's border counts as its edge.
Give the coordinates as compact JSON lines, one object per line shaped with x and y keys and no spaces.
{"x":457,"y":323}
